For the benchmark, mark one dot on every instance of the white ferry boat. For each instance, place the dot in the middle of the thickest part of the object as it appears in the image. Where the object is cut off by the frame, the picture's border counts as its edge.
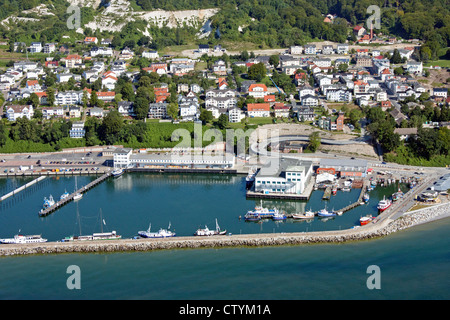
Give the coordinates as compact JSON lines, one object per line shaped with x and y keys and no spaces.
{"x":207,"y":232}
{"x":162,"y":233}
{"x":19,"y":239}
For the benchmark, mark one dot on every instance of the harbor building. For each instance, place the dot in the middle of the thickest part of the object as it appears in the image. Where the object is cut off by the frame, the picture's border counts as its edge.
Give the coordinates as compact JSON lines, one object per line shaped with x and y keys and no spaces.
{"x":125,"y":158}
{"x":289,"y":176}
{"x":343,"y":167}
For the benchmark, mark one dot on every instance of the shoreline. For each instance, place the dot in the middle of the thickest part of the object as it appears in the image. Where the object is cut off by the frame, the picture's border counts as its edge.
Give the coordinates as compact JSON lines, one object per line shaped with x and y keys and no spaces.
{"x":367,"y":232}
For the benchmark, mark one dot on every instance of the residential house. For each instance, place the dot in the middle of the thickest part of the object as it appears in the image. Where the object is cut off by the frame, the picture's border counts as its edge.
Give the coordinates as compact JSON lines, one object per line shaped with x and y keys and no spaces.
{"x":77,"y":131}
{"x":161,"y":93}
{"x":69,"y":97}
{"x":327,"y":49}
{"x":304,"y":113}
{"x":126,"y":54}
{"x":159,"y":68}
{"x":106,"y":96}
{"x":36,"y":47}
{"x":296,"y":50}
{"x":74,"y":112}
{"x":405,"y":133}
{"x":257,"y":90}
{"x":101,"y":51}
{"x":109,"y":80}
{"x":63,"y":77}
{"x":414,"y":67}
{"x":90,"y":40}
{"x":258,"y":110}
{"x":219,"y":67}
{"x":126,"y":108}
{"x":235,"y":115}
{"x":52,"y":112}
{"x":280,"y":110}
{"x":15,"y":112}
{"x":153,"y":54}
{"x":342,"y":48}
{"x":49,"y":48}
{"x":158,"y":110}
{"x":310,"y":101}
{"x":203,"y":48}
{"x":189,"y":108}
{"x":359,"y":31}
{"x":72,"y":60}
{"x":33,"y":85}
{"x":364,"y":61}
{"x":339,"y":95}
{"x":310,"y":49}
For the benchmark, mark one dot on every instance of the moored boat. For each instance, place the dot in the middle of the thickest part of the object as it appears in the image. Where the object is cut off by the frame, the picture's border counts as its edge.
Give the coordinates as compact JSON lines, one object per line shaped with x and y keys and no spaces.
{"x":325,"y":213}
{"x":117,"y":172}
{"x":207,"y":232}
{"x":384,"y":204}
{"x":397,"y":195}
{"x":162,"y":233}
{"x":48,"y":202}
{"x":366,"y":197}
{"x":307,"y":215}
{"x":64,"y":195}
{"x":365,"y":220}
{"x":279,"y":216}
{"x":20,"y":239}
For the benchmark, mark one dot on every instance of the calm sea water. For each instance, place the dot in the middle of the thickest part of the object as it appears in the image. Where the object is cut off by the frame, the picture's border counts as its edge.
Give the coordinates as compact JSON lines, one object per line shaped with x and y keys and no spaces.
{"x":414,"y":264}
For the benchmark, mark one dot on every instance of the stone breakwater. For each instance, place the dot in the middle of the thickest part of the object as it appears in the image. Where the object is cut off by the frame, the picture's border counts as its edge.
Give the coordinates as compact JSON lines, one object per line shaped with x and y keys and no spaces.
{"x":370,"y":231}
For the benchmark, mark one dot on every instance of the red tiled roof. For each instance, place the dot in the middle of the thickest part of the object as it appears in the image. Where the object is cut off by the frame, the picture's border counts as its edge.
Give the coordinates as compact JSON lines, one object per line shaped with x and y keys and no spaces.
{"x":258,"y":107}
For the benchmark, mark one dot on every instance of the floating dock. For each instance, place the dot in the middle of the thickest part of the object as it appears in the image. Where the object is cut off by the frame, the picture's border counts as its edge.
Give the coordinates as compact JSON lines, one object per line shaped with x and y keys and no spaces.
{"x":29,"y":184}
{"x":60,"y":203}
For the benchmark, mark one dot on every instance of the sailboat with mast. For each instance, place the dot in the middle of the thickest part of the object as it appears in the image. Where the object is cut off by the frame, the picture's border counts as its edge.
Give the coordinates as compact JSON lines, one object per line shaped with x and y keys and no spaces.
{"x":95,"y":236}
{"x":78,"y":195}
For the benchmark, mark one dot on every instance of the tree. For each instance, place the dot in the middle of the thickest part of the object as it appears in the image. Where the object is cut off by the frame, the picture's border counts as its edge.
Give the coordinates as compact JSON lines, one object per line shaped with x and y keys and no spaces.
{"x":274,"y":60}
{"x":206,"y":116}
{"x":257,"y":72}
{"x":50,"y":96}
{"x":34,"y":100}
{"x":314,"y":141}
{"x":396,"y":58}
{"x":222,"y":121}
{"x":141,"y":106}
{"x":111,"y":126}
{"x":172,"y":110}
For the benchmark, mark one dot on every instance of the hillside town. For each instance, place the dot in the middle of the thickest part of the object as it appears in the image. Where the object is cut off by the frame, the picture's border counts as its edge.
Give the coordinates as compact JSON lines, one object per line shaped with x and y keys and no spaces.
{"x":318,"y":84}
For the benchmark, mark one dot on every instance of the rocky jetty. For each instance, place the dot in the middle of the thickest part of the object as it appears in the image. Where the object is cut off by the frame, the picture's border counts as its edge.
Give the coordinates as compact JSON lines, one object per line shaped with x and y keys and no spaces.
{"x":370,"y":231}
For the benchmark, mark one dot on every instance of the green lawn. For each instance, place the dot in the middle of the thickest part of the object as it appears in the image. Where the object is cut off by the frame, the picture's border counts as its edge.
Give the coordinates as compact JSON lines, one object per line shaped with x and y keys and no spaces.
{"x":440,"y":63}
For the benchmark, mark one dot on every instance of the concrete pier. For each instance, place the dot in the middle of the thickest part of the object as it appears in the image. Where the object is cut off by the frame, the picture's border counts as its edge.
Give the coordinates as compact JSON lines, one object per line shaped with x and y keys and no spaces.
{"x":29,"y":184}
{"x":60,"y":203}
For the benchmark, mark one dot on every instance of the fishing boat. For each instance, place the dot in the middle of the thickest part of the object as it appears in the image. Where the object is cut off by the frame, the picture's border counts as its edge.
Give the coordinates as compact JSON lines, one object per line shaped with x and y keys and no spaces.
{"x":251,"y":216}
{"x":366,"y":197}
{"x":162,"y":233}
{"x":365,"y":220}
{"x":278,"y":216}
{"x":207,"y":232}
{"x":262,"y":212}
{"x":307,"y":215}
{"x":397,"y":195}
{"x":334,"y":190}
{"x":64,"y":195}
{"x":384,"y":204}
{"x":325,"y":213}
{"x":117,"y":172}
{"x":48,"y":202}
{"x":19,"y":239}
